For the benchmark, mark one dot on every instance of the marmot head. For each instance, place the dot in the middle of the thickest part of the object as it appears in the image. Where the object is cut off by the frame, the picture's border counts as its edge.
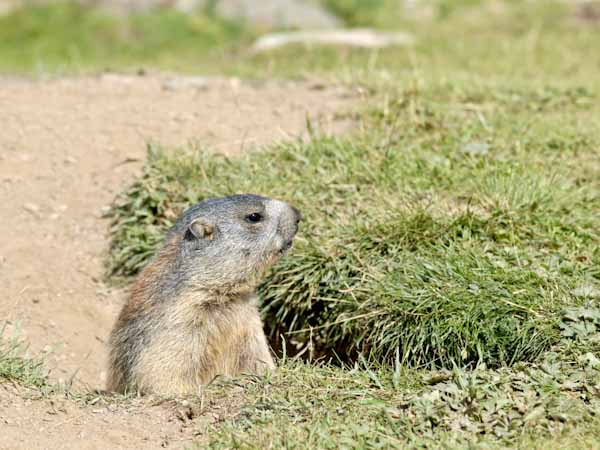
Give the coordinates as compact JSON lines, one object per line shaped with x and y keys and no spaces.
{"x":228,"y":243}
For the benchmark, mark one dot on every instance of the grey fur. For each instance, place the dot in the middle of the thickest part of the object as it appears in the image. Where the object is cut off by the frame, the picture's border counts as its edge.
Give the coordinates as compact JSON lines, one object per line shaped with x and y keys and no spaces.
{"x":192,"y":312}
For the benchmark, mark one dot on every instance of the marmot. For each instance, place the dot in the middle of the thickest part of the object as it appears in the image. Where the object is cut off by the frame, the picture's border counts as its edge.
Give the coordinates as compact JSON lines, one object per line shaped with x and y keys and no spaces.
{"x":192,"y":313}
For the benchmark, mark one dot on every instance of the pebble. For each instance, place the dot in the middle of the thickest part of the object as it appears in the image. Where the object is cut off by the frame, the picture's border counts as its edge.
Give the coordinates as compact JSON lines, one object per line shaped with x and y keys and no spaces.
{"x":32,"y":208}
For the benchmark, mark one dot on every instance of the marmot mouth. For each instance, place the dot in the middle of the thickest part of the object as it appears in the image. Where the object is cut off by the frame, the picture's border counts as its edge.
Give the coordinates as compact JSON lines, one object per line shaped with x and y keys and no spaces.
{"x":286,"y":246}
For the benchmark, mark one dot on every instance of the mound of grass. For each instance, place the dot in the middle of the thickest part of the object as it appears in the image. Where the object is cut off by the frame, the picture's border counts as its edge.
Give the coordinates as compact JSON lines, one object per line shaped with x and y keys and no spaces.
{"x":16,"y":366}
{"x":69,"y":37}
{"x":435,"y":236}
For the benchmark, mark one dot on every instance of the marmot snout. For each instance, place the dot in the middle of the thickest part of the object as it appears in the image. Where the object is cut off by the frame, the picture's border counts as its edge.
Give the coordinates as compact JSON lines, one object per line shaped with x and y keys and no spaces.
{"x":192,"y":313}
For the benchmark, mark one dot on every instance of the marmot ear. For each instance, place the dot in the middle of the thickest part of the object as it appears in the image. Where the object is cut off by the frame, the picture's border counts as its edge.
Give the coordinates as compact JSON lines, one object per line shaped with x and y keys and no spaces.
{"x":201,"y":229}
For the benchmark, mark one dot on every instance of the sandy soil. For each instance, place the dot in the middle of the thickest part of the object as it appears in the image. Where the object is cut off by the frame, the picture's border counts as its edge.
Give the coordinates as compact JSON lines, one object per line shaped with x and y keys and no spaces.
{"x":67,"y":147}
{"x":32,"y":421}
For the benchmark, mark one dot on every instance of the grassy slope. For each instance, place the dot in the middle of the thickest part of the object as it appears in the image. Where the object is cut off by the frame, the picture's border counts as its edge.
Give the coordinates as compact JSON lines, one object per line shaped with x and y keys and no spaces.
{"x":468,"y":201}
{"x":67,"y":38}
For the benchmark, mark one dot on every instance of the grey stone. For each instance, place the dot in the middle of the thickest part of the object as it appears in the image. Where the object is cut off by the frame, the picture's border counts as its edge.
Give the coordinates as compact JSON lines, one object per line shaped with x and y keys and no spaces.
{"x":365,"y":38}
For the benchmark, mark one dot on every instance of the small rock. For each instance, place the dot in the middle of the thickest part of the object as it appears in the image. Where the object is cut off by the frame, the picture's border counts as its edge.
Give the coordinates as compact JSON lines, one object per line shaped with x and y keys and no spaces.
{"x":365,"y":38}
{"x":32,"y":208}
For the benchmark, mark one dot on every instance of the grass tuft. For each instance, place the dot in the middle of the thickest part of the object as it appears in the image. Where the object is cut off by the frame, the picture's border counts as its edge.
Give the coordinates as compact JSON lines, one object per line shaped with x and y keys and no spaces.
{"x":16,"y":366}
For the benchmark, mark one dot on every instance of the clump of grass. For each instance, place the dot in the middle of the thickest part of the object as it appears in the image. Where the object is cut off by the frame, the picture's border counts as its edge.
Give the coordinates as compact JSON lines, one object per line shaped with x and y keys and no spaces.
{"x":437,"y":303}
{"x":434,"y":235}
{"x":16,"y":366}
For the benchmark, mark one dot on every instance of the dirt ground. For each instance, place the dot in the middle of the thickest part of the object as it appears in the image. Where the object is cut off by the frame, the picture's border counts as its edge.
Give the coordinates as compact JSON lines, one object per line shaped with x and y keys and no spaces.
{"x":67,"y":147}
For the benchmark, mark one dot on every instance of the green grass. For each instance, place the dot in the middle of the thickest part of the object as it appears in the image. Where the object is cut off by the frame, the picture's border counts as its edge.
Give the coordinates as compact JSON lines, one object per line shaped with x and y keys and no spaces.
{"x":447,"y":237}
{"x":448,"y":267}
{"x":16,"y":366}
{"x":65,"y":38}
{"x":468,"y":38}
{"x":471,"y":40}
{"x":305,"y":406}
{"x":443,"y":291}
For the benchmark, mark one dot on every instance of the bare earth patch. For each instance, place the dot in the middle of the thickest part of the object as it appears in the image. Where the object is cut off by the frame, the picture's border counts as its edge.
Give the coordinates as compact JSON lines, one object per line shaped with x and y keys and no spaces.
{"x":29,"y":420}
{"x":67,"y":147}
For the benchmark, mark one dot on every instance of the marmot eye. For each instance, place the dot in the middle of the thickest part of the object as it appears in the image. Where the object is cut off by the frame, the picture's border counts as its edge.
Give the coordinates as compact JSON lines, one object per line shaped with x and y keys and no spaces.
{"x":254,"y":217}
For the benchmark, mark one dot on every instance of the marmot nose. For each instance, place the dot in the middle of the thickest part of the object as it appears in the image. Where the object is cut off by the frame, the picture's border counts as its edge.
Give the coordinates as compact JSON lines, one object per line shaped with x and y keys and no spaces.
{"x":297,"y":215}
